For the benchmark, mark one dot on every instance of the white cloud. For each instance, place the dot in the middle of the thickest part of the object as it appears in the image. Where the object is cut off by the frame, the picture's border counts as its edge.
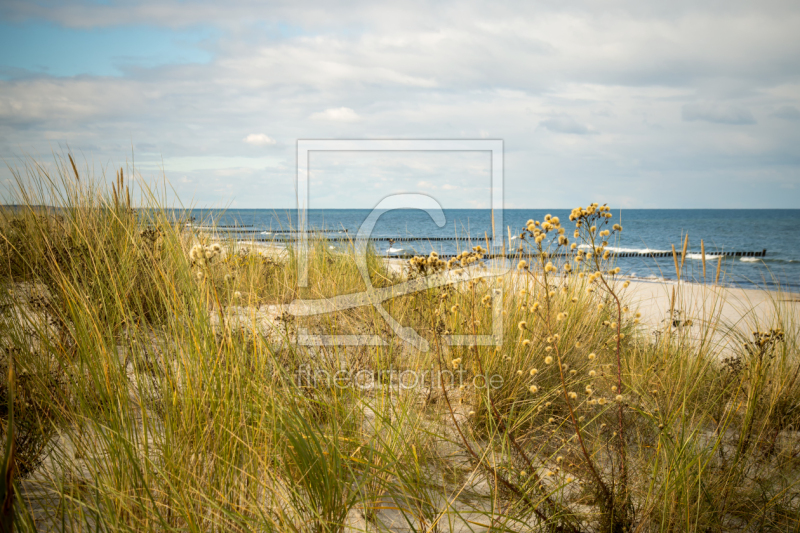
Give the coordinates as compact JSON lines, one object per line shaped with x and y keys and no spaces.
{"x":565,"y":125}
{"x":259,"y":139}
{"x":720,"y":114}
{"x":339,"y":114}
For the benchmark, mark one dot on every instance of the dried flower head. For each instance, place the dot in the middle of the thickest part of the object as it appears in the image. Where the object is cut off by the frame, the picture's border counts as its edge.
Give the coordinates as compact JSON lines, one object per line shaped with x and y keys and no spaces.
{"x":548,"y":360}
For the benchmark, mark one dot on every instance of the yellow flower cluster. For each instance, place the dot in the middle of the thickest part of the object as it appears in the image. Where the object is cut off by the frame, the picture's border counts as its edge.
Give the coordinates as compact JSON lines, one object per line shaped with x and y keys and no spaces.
{"x":421,"y":265}
{"x":539,"y":230}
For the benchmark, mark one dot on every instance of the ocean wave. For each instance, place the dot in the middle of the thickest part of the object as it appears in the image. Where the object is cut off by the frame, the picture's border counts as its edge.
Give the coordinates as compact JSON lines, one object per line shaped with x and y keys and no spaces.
{"x":266,"y":233}
{"x":700,"y":256}
{"x":750,"y":259}
{"x":394,"y":250}
{"x":622,"y":250}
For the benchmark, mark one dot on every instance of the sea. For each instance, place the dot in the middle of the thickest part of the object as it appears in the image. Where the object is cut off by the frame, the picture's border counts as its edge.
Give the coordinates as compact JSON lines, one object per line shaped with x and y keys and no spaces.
{"x":645,"y":231}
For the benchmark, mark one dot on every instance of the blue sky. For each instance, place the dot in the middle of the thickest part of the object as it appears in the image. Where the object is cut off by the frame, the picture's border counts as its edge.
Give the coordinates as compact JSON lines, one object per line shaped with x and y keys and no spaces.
{"x":680,"y":104}
{"x":42,"y":48}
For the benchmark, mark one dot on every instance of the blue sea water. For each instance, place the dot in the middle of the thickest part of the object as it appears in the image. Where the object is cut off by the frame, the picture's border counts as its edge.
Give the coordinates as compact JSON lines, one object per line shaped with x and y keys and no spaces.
{"x":776,"y":230}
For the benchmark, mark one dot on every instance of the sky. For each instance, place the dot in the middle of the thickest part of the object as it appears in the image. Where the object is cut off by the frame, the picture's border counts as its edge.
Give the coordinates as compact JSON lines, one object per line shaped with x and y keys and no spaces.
{"x":680,"y":104}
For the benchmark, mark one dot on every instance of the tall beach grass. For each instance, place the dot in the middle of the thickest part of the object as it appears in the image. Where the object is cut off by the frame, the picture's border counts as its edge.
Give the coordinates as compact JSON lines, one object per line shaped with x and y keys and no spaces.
{"x":152,"y":380}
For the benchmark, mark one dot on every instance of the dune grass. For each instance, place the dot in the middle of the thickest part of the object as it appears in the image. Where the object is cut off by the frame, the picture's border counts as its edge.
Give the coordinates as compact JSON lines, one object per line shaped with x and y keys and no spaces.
{"x":151,"y":380}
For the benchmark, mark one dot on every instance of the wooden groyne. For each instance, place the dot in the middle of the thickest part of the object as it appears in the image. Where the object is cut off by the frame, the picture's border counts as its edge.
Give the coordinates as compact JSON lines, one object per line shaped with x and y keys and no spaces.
{"x":762,"y":253}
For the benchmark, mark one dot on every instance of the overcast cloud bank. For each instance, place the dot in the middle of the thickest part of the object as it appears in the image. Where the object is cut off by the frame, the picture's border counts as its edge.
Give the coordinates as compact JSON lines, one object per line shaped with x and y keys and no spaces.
{"x":691,"y":104}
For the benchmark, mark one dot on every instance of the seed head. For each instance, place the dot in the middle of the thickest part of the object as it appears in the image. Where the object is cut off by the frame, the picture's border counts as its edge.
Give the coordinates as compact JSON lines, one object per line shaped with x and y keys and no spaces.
{"x":573,"y":395}
{"x":534,"y":389}
{"x":592,"y":356}
{"x":548,"y":360}
{"x":619,"y":397}
{"x":533,"y":372}
{"x":522,"y":325}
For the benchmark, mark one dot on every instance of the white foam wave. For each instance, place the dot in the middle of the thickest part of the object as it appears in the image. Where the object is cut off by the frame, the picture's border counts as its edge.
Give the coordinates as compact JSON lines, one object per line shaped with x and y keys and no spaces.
{"x":266,"y":233}
{"x":622,"y":250}
{"x":394,"y":250}
{"x":750,"y":259}
{"x":700,"y":256}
